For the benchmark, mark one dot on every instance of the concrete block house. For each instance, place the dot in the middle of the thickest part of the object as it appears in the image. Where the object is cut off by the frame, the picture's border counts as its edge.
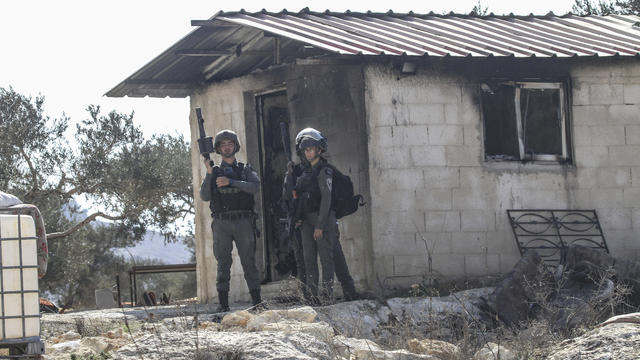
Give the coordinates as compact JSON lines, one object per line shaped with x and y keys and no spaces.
{"x":443,"y":122}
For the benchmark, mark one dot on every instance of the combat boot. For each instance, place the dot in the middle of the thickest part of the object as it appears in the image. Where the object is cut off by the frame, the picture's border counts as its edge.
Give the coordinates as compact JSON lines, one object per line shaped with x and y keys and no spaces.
{"x":256,"y":300}
{"x":223,"y":299}
{"x":349,"y":293}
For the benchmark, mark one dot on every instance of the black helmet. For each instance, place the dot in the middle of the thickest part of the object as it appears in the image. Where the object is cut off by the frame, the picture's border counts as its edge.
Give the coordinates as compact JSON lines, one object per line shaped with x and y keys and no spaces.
{"x":311,"y":137}
{"x":226,"y":135}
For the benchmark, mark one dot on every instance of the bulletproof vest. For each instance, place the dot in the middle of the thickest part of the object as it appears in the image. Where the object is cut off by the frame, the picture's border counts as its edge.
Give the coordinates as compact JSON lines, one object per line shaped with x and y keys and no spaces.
{"x":308,"y":189}
{"x":231,"y":198}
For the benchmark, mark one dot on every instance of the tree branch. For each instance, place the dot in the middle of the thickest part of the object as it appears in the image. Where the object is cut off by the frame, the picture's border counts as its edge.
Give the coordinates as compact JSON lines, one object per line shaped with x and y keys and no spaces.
{"x":34,"y":174}
{"x":82,"y":223}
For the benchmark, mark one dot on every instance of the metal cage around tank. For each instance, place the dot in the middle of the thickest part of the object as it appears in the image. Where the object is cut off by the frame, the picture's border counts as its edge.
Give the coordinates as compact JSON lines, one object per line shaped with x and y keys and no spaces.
{"x":28,"y":344}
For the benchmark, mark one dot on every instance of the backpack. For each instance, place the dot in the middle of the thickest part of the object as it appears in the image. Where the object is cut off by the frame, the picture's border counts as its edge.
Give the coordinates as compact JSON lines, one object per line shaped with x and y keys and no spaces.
{"x":343,"y":200}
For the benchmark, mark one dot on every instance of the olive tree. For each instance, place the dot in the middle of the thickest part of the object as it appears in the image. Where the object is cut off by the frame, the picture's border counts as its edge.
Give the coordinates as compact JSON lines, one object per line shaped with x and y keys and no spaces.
{"x":133,"y":182}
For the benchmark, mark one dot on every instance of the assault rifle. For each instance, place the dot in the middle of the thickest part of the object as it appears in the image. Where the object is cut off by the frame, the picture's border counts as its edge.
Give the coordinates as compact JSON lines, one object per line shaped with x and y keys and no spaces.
{"x":205,"y":144}
{"x":292,"y":207}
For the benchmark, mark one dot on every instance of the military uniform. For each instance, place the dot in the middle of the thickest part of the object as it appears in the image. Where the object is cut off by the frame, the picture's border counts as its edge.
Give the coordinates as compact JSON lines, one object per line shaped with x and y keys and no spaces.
{"x":341,"y":268}
{"x":233,"y":221}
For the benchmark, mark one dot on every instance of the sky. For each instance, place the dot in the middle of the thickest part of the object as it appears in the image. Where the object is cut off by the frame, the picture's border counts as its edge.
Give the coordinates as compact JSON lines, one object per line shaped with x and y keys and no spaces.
{"x":73,"y":52}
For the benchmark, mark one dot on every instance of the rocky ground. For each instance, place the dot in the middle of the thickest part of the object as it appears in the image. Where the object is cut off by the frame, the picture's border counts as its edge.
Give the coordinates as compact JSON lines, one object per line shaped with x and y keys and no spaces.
{"x":400,"y":328}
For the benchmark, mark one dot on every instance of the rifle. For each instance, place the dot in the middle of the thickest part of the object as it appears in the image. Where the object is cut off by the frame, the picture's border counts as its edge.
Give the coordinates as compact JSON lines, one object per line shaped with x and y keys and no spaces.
{"x":286,"y":143}
{"x":205,"y":144}
{"x":293,"y":208}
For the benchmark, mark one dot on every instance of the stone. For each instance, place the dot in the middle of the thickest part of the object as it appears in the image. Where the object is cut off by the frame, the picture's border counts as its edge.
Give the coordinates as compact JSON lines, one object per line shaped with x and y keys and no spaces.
{"x":389,"y":355}
{"x":70,"y":335}
{"x":115,"y":333}
{"x":355,"y":318}
{"x":633,"y":318}
{"x":236,"y":319}
{"x":429,"y":309}
{"x":320,"y":330}
{"x":619,"y":341}
{"x":96,"y":343}
{"x":512,"y":297}
{"x":440,"y":349}
{"x":346,"y":346}
{"x":493,"y":351}
{"x":303,"y":314}
{"x":209,"y":325}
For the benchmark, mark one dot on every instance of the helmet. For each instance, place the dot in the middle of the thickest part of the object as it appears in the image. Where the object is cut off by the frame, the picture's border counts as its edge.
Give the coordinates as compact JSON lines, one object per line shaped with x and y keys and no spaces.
{"x":310,"y":137}
{"x":226,"y":135}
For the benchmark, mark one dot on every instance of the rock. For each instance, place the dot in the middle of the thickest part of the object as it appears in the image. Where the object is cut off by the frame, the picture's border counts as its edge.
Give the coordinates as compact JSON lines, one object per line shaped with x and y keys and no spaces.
{"x":390,"y":355}
{"x":68,"y":336}
{"x":226,"y":345}
{"x":209,"y":325}
{"x":66,"y":345}
{"x":440,"y":349}
{"x":512,"y":298}
{"x":585,"y":263}
{"x":320,"y":330}
{"x":236,"y":319}
{"x":115,"y":333}
{"x":301,"y":314}
{"x":493,"y":351}
{"x":97,"y":344}
{"x":633,"y":318}
{"x":257,"y":322}
{"x":356,"y":319}
{"x":628,"y":273}
{"x":619,"y":341}
{"x":346,"y":346}
{"x":433,"y":309}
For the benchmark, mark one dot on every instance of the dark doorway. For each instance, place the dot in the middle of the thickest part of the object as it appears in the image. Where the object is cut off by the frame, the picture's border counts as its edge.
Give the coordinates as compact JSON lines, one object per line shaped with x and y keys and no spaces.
{"x":272,"y":110}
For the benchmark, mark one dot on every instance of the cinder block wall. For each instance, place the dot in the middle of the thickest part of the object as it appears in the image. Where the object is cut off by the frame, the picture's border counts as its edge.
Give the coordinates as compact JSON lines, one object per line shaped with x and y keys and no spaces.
{"x":430,"y":183}
{"x":606,"y":116}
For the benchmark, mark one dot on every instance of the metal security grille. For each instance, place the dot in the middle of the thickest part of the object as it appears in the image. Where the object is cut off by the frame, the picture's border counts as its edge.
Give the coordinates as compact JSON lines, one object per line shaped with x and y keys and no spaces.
{"x":551,"y":232}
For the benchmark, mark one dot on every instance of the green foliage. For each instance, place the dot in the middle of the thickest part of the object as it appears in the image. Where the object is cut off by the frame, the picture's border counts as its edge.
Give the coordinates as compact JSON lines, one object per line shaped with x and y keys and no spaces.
{"x":604,"y":7}
{"x":133,"y":182}
{"x":479,"y":10}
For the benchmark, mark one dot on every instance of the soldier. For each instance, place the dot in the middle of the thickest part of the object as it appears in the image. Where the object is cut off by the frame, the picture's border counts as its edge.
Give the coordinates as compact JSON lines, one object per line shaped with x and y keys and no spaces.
{"x":317,"y":222}
{"x":231,"y":202}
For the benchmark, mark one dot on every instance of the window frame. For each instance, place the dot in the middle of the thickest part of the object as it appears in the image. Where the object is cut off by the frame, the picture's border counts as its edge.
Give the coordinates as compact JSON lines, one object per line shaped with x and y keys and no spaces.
{"x":565,"y":134}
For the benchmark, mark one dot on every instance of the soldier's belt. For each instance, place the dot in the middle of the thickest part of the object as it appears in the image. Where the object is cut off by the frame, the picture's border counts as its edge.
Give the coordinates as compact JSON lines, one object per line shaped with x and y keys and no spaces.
{"x":236,"y":215}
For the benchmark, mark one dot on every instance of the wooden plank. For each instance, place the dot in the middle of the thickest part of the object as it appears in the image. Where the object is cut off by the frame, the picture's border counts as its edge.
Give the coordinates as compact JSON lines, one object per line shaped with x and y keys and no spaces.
{"x":203,"y":52}
{"x":156,"y":82}
{"x":213,"y":23}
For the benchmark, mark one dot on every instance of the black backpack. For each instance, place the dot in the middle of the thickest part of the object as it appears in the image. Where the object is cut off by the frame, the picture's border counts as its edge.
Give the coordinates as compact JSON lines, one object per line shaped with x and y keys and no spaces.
{"x":343,"y":200}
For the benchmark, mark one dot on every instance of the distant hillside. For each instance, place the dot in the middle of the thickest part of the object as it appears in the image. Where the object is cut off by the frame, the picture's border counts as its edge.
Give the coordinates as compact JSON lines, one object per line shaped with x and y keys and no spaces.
{"x":153,"y":247}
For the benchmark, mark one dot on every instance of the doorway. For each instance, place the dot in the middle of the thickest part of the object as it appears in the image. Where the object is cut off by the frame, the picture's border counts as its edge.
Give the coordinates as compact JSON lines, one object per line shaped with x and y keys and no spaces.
{"x":271,"y":111}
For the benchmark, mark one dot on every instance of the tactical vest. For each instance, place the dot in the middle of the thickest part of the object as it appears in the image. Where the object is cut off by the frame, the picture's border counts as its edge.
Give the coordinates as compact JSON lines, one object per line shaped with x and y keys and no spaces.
{"x":308,"y":189}
{"x":231,"y":198}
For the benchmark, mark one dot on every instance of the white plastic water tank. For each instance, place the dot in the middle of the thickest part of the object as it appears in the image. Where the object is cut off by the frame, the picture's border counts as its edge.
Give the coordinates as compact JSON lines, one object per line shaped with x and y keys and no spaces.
{"x":19,"y":297}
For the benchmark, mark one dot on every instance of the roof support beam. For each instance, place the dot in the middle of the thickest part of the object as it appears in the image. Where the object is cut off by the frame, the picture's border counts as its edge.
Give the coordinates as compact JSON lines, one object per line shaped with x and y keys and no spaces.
{"x":213,"y":23}
{"x":203,"y":52}
{"x":220,"y":63}
{"x":156,"y":82}
{"x":276,"y":51}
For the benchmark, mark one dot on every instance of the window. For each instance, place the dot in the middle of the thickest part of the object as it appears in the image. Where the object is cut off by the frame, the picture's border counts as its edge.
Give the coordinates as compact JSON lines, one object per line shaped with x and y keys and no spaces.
{"x":525,"y":121}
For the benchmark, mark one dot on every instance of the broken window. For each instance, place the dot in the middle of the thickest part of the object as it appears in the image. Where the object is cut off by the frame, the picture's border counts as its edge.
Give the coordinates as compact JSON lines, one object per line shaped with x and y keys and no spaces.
{"x":525,"y":121}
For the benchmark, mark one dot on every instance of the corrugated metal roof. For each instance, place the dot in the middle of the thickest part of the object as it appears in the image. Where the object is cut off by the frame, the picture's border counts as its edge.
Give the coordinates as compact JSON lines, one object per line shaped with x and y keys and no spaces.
{"x":236,"y":43}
